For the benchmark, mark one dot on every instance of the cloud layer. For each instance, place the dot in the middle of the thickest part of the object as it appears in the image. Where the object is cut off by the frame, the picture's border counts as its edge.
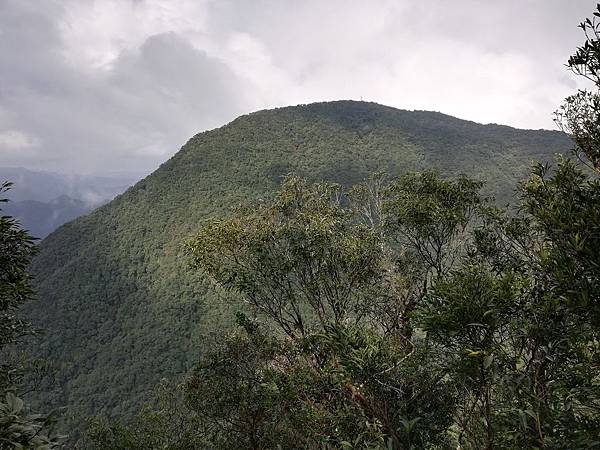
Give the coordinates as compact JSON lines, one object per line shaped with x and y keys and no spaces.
{"x":97,"y":86}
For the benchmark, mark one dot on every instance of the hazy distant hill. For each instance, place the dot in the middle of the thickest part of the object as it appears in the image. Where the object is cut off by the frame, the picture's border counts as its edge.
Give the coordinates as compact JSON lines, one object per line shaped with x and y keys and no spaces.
{"x":119,"y":305}
{"x":41,"y":218}
{"x":42,"y":201}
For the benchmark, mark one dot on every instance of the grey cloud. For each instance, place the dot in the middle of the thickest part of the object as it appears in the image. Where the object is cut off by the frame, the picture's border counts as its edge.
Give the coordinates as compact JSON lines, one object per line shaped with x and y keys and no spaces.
{"x":131,"y":116}
{"x":91,"y":86}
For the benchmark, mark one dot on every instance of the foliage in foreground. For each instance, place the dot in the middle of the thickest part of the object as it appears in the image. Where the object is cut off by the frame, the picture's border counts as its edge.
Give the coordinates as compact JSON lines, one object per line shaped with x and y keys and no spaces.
{"x":18,"y":428}
{"x":371,"y":333}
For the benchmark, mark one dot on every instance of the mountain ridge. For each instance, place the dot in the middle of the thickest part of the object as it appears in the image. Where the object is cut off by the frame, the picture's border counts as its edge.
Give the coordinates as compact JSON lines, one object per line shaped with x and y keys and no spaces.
{"x":119,"y":304}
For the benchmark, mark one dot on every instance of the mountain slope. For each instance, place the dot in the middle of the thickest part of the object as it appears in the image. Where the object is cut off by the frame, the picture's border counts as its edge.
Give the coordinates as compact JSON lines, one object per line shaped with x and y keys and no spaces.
{"x":121,"y":309}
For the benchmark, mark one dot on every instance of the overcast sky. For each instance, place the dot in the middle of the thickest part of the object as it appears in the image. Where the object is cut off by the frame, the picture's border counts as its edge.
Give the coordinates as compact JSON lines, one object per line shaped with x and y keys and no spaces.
{"x":95,"y":86}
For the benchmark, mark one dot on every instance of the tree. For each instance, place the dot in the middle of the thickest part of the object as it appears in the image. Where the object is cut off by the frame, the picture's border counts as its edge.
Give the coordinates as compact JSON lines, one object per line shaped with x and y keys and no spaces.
{"x":18,"y":429}
{"x":516,"y":324}
{"x":426,"y":220}
{"x":319,"y":263}
{"x":165,"y":422}
{"x":580,"y":114}
{"x":301,"y":260}
{"x":16,"y":250}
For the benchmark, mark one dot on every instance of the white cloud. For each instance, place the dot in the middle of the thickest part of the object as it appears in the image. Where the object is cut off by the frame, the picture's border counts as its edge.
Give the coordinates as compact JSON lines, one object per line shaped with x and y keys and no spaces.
{"x":16,"y":140}
{"x":96,"y":32}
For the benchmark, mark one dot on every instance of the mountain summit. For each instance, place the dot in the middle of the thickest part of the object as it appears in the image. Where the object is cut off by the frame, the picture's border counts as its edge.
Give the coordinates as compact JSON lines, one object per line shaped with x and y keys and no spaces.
{"x":120,"y":308}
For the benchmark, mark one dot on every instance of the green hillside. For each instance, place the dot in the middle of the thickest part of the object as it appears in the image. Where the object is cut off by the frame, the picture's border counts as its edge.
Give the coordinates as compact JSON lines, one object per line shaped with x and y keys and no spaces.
{"x":119,"y":306}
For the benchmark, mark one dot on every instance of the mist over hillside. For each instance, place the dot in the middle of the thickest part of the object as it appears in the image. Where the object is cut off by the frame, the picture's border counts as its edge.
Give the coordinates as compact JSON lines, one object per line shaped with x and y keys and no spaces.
{"x":42,"y":201}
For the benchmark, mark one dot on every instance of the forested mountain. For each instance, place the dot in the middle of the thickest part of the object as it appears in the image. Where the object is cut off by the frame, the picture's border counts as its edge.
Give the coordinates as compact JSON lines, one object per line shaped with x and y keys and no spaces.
{"x":119,"y":305}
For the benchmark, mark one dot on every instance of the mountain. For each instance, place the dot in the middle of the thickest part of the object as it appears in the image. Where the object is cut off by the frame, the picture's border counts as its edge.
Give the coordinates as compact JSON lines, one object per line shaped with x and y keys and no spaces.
{"x":42,"y":201}
{"x":41,"y":218}
{"x":120,"y":307}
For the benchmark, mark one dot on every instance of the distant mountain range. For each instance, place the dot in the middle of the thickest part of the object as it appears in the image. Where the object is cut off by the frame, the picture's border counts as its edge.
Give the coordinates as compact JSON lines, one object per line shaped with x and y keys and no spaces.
{"x":43,"y":201}
{"x":119,"y":303}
